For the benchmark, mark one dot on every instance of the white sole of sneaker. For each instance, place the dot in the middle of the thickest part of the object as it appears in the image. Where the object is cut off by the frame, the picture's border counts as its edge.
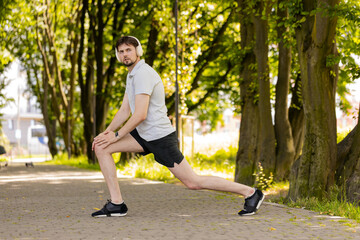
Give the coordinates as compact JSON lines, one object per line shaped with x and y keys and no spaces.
{"x":260,"y":202}
{"x":248,"y":214}
{"x":112,"y":215}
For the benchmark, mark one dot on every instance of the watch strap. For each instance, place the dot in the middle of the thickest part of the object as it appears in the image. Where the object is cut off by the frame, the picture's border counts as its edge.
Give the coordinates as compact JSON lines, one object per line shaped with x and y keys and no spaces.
{"x":117,"y":134}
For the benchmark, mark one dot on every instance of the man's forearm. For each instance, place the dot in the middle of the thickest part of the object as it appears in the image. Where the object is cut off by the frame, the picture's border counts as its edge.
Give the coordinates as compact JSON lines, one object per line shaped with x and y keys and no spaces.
{"x":130,"y":125}
{"x":119,"y":118}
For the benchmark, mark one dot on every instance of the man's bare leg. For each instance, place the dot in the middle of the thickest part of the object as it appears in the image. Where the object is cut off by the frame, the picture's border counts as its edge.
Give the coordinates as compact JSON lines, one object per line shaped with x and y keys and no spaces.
{"x":107,"y":164}
{"x":186,"y":175}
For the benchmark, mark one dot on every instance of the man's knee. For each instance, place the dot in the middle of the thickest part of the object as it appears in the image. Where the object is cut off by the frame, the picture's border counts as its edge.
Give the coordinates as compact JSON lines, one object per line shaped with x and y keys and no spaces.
{"x":100,"y":151}
{"x":193,"y":184}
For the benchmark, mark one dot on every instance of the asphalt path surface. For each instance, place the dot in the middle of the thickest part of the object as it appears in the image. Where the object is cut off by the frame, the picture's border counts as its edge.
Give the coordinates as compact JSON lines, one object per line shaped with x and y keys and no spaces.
{"x":56,"y":202}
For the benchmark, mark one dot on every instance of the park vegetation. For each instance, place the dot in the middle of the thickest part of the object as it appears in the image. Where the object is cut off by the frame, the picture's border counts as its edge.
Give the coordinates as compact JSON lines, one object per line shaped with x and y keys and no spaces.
{"x":256,"y":56}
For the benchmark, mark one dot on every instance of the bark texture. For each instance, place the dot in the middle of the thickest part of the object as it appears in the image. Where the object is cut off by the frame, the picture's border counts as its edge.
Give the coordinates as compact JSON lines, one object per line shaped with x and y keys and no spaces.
{"x":348,"y":165}
{"x":285,"y":151}
{"x":296,"y":117}
{"x":313,"y":172}
{"x":248,"y":153}
{"x":266,"y":134}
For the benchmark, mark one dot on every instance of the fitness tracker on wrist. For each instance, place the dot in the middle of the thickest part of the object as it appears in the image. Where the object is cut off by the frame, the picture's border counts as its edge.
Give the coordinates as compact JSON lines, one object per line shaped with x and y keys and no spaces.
{"x":117,"y":134}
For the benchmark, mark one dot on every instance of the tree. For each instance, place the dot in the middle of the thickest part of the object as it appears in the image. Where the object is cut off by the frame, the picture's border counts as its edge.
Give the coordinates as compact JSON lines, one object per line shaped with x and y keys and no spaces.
{"x":248,"y":152}
{"x":313,"y":172}
{"x":48,"y":26}
{"x":19,"y":41}
{"x":285,"y":151}
{"x":6,"y":58}
{"x":266,"y":134}
{"x":107,"y":22}
{"x":347,"y":164}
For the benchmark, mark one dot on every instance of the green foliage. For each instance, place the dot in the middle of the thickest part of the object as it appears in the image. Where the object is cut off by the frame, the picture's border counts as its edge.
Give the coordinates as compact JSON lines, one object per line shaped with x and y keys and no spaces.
{"x":4,"y":100}
{"x":262,"y":181}
{"x":210,"y":54}
{"x":341,"y":135}
{"x":348,"y":39}
{"x":222,"y":161}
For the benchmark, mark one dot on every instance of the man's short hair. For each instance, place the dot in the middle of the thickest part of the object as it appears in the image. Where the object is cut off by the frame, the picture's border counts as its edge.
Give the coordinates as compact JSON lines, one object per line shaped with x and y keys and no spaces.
{"x":128,"y":41}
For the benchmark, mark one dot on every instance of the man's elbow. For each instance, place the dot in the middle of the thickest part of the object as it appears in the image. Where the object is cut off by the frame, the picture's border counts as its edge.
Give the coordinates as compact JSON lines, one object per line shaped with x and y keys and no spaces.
{"x":141,"y":117}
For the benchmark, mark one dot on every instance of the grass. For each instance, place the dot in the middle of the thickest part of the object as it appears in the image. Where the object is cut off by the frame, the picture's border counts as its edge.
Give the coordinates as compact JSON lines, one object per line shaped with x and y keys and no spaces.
{"x":80,"y":162}
{"x":33,"y":156}
{"x":334,"y":204}
{"x":222,"y":163}
{"x":145,"y":167}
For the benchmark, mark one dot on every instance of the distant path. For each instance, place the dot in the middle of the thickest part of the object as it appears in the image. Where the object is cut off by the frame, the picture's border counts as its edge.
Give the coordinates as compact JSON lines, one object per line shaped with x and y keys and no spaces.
{"x":55,"y":202}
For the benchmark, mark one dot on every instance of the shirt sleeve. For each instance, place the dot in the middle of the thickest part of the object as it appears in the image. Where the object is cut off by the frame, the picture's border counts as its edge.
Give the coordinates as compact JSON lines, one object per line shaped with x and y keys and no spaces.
{"x":144,"y":82}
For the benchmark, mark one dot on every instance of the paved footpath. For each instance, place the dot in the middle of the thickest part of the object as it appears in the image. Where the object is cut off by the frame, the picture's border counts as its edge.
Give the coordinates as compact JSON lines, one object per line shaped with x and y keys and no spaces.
{"x":55,"y":202}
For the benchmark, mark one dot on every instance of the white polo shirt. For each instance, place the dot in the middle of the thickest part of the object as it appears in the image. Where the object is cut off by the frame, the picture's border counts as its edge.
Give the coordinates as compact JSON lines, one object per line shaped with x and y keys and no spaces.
{"x":143,"y":79}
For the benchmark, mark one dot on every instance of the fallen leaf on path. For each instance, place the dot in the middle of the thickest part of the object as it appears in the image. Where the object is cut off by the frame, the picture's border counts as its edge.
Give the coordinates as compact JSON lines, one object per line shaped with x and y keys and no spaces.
{"x":272,"y":229}
{"x":96,"y":208}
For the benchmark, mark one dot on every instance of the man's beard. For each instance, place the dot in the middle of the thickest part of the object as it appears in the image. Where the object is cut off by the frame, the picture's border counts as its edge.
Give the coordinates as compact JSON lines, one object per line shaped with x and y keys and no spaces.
{"x":129,"y":64}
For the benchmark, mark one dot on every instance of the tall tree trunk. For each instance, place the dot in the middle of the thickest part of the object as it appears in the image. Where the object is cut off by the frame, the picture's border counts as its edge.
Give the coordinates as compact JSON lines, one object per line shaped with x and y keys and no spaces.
{"x":45,"y":37}
{"x":101,"y":106}
{"x":285,"y":151}
{"x":296,"y":117}
{"x":47,"y":121}
{"x":248,"y":152}
{"x":73,"y":55}
{"x":85,"y":86}
{"x":267,"y":134}
{"x":313,"y":172}
{"x":151,"y":47}
{"x":42,"y":94}
{"x":348,"y":164}
{"x":353,"y":163}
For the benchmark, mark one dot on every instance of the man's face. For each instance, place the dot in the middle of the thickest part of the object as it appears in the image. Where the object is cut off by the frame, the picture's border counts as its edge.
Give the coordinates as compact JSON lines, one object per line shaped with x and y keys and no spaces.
{"x":127,"y":54}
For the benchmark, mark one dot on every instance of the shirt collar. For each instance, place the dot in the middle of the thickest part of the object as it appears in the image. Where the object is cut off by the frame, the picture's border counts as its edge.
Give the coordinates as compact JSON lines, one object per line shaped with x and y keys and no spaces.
{"x":137,"y":66}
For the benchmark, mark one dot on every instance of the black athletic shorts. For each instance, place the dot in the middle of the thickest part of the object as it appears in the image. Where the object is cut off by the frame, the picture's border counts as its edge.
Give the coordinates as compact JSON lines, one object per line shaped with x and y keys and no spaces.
{"x":165,"y":149}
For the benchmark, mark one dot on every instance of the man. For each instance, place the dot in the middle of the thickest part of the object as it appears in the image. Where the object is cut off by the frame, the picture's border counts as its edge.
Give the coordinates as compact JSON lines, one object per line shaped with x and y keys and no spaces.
{"x":149,"y":130}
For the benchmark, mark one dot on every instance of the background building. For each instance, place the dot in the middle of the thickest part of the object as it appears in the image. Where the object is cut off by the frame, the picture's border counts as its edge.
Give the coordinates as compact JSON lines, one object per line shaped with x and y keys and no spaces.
{"x":22,"y":119}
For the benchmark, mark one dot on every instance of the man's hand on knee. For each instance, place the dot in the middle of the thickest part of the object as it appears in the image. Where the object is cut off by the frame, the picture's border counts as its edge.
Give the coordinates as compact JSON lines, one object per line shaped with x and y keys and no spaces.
{"x":105,"y":139}
{"x":99,"y":138}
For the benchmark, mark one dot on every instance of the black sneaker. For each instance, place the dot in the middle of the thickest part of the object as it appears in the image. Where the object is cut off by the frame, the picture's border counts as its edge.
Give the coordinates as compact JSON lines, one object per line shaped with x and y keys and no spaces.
{"x":252,"y":203}
{"x":111,"y":210}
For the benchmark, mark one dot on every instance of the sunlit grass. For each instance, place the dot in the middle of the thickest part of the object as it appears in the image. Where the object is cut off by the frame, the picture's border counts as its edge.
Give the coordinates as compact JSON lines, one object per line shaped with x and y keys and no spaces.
{"x":32,"y":156}
{"x":145,"y":167}
{"x":80,"y":162}
{"x":334,"y":204}
{"x":332,"y":207}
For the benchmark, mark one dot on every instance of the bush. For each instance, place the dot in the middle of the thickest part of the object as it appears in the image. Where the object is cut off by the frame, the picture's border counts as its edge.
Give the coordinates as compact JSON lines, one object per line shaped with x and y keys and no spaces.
{"x":222,"y":161}
{"x":261,"y":181}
